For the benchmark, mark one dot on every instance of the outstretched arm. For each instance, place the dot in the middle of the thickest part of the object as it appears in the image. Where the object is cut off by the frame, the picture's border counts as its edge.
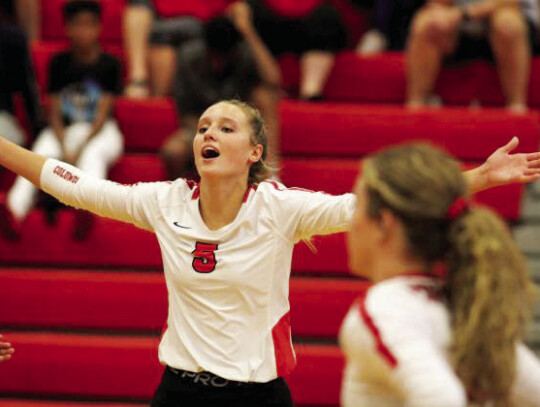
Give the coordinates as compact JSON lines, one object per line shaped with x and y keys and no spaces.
{"x":21,"y":161}
{"x":127,"y":203}
{"x":503,"y":168}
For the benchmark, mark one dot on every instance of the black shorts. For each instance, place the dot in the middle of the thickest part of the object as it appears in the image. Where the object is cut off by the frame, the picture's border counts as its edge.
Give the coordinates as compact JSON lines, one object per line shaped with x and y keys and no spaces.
{"x":172,"y":31}
{"x":179,"y":388}
{"x":322,"y":30}
{"x":469,"y":48}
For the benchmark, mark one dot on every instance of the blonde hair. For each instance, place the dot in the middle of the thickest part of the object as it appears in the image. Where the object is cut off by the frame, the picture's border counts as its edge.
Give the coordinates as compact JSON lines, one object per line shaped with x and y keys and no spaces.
{"x":260,"y":170}
{"x":488,"y":292}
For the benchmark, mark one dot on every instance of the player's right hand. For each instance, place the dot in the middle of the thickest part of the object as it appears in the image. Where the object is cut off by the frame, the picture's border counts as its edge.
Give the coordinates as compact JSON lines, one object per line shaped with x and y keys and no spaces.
{"x":5,"y":350}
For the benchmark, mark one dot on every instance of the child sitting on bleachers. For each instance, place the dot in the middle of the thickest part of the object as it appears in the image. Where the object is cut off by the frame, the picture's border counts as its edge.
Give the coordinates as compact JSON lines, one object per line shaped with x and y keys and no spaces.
{"x":82,"y":82}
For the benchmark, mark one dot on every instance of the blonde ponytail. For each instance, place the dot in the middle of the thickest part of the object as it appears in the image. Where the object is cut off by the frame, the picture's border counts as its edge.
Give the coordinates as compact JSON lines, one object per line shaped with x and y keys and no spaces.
{"x":489,"y":297}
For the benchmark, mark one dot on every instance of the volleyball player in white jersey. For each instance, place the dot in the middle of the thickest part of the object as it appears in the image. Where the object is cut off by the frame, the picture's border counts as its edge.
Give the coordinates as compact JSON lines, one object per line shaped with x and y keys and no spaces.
{"x":227,"y":245}
{"x":419,"y":340}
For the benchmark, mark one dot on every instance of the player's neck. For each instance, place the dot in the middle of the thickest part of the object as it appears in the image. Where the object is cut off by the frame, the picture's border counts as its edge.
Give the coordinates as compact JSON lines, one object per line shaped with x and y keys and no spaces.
{"x":220,"y":201}
{"x":389,"y":266}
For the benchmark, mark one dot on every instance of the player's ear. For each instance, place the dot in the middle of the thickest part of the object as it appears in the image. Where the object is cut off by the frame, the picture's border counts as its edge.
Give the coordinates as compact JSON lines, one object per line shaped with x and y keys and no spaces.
{"x":389,"y":224}
{"x":256,"y":153}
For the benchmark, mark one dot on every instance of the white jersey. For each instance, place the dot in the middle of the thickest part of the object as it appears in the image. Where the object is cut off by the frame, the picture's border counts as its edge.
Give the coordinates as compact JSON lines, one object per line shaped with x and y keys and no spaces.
{"x":395,"y":341}
{"x":228,"y":288}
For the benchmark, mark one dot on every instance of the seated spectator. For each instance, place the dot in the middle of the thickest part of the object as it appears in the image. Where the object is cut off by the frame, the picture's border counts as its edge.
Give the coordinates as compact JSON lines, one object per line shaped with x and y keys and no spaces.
{"x":17,"y":76}
{"x":389,"y":24}
{"x":24,"y":13}
{"x":312,"y":29}
{"x":152,"y":41}
{"x":230,"y":62}
{"x":82,"y":82}
{"x":506,"y":31}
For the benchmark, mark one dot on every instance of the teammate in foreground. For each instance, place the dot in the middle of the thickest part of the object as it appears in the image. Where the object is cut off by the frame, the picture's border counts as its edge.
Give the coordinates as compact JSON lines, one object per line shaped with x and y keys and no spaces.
{"x":417,"y":339}
{"x":227,"y":247}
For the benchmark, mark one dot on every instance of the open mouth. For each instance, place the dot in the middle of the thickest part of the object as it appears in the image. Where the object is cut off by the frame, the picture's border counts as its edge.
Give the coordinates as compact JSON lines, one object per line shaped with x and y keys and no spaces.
{"x":210,"y":152}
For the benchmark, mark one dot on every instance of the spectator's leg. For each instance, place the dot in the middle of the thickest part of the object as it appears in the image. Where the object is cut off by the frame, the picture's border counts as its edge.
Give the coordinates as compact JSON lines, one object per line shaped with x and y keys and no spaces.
{"x":177,"y":151}
{"x":96,"y":158}
{"x":267,"y":101}
{"x":137,"y":24}
{"x":509,"y":39}
{"x":315,"y":67}
{"x":21,"y":196}
{"x":102,"y":151}
{"x":10,"y":128}
{"x":162,"y":68}
{"x":375,"y":40}
{"x":431,"y":38}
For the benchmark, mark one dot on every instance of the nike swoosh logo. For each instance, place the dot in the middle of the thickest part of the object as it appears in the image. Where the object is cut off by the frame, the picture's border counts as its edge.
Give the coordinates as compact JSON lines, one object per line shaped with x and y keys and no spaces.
{"x":180,"y":226}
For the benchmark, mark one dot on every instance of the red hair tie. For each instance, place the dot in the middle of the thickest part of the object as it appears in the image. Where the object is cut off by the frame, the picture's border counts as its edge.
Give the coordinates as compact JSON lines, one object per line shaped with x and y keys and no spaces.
{"x":457,"y":208}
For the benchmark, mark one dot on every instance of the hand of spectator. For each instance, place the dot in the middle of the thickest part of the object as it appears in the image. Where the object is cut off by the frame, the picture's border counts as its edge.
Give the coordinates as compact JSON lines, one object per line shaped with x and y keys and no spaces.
{"x":502,"y":167}
{"x":5,"y":351}
{"x":72,"y":157}
{"x":240,"y":14}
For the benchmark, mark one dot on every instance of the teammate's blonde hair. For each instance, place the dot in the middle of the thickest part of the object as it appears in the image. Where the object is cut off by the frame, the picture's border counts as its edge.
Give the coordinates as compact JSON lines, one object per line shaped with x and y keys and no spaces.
{"x":260,"y":170}
{"x":488,"y":292}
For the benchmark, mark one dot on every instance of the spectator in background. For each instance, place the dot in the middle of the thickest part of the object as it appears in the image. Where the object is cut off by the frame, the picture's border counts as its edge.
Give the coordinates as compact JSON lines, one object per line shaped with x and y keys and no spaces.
{"x":152,"y":41}
{"x":312,"y":29}
{"x":506,"y":30}
{"x":17,"y":76}
{"x":230,"y":62}
{"x":82,"y":82}
{"x":390,"y":22}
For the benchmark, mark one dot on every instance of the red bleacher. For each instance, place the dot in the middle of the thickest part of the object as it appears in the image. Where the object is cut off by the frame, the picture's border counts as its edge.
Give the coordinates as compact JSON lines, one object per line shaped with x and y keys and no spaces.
{"x":85,"y":316}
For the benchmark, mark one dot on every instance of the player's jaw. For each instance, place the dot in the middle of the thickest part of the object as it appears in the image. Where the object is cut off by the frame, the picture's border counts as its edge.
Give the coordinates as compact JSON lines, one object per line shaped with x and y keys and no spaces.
{"x":222,"y":145}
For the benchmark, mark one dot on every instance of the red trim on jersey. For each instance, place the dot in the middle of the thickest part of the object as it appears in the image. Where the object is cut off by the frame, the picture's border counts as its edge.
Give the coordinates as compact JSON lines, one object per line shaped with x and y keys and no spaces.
{"x":191,"y":184}
{"x":196,"y":192}
{"x":381,"y":347}
{"x":248,"y":191}
{"x":283,"y":351}
{"x":274,"y":184}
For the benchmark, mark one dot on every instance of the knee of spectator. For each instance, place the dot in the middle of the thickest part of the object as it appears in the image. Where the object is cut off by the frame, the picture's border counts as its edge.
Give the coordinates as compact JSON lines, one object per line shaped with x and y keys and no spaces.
{"x":508,"y":24}
{"x":429,"y":26}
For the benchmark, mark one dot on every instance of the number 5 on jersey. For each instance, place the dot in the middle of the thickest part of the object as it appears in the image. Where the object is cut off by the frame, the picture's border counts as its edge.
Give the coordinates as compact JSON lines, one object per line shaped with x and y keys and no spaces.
{"x":204,"y":258}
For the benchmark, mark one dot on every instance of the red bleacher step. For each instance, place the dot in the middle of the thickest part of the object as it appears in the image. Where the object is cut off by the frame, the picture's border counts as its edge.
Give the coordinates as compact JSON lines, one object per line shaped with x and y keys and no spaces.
{"x":138,"y":301}
{"x":348,"y":130}
{"x":56,"y":403}
{"x":127,"y":367}
{"x":351,"y":130}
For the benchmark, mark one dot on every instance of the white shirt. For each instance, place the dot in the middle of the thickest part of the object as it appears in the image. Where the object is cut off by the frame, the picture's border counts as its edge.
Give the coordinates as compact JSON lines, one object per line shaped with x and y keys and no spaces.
{"x":395,"y":341}
{"x":228,"y":288}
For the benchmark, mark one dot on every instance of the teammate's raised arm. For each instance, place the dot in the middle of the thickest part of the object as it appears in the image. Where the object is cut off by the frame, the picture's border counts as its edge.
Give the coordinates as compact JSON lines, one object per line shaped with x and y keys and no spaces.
{"x":503,"y":168}
{"x":21,"y":161}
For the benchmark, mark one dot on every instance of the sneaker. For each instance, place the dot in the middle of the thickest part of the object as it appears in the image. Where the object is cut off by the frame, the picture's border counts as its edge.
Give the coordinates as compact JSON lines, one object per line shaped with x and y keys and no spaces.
{"x":9,"y":226}
{"x":372,"y":42}
{"x":83,"y":225}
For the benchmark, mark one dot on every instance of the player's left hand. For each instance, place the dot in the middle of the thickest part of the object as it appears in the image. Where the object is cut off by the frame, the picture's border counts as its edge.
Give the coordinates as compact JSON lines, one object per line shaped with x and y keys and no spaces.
{"x":502,"y":167}
{"x":5,"y":350}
